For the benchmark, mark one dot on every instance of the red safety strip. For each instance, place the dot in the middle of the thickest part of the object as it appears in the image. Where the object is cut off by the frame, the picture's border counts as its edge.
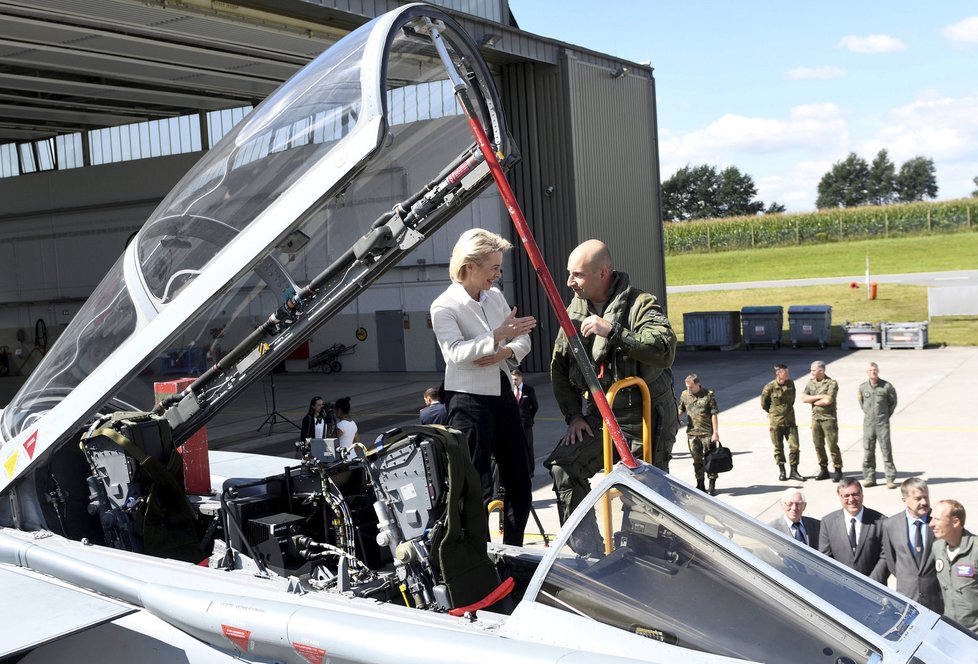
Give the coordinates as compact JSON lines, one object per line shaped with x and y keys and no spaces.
{"x":504,"y":589}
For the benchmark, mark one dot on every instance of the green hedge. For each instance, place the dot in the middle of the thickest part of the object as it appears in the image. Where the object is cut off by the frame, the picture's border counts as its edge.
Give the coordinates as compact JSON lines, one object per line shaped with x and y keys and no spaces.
{"x":819,"y":227}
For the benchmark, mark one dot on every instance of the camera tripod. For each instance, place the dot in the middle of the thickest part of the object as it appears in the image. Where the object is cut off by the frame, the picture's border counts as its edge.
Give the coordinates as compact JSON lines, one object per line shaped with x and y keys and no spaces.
{"x":274,"y":416}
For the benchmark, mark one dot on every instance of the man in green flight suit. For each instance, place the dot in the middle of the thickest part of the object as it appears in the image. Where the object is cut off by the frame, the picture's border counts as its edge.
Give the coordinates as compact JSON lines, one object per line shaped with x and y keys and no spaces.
{"x":778,"y":401}
{"x":878,"y":399}
{"x":625,"y":333}
{"x":821,"y":392}
{"x":955,"y":559}
{"x":702,"y":431}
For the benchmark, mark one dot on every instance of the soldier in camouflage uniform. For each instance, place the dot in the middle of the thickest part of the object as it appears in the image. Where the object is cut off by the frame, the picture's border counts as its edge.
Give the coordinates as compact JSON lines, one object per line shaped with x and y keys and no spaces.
{"x":702,"y":431}
{"x":821,"y":392}
{"x":625,"y":333}
{"x":878,"y":399}
{"x":778,"y":401}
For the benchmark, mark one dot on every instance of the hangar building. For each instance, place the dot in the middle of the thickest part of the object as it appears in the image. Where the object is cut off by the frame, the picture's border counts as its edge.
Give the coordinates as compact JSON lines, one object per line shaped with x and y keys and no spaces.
{"x":105,"y":104}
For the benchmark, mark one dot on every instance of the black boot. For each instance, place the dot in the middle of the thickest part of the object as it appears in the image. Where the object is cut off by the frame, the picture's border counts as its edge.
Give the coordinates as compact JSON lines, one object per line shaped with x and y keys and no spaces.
{"x":782,"y":476}
{"x":837,"y":475}
{"x":713,"y":486}
{"x":700,"y":485}
{"x":795,"y":475}
{"x":823,"y":473}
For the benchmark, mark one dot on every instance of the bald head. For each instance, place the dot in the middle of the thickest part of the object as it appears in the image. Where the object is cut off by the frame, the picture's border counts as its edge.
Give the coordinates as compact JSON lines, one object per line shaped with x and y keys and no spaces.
{"x":593,"y":253}
{"x":589,"y":271}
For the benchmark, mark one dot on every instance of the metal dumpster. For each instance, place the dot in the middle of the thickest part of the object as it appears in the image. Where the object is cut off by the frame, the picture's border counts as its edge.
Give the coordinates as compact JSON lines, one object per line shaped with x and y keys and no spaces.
{"x":762,"y":325}
{"x":711,"y":329}
{"x":810,"y":324}
{"x":904,"y":335}
{"x":861,"y":335}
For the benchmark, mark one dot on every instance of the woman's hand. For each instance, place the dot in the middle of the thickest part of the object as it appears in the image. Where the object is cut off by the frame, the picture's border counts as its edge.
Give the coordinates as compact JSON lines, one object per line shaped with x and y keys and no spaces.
{"x":513,"y":327}
{"x":503,"y":353}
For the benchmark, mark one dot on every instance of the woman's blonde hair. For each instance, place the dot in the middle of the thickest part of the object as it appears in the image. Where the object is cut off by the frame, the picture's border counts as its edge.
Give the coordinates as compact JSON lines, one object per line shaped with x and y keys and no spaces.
{"x":472,"y":247}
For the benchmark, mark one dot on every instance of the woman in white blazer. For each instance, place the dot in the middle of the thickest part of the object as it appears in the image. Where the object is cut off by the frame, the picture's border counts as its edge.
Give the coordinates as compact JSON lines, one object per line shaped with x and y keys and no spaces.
{"x":478,"y":333}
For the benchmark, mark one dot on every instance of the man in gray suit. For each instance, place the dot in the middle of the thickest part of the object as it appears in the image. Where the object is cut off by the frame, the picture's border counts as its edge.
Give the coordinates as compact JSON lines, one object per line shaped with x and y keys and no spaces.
{"x":794,"y":524}
{"x":908,"y":547}
{"x":854,"y":534}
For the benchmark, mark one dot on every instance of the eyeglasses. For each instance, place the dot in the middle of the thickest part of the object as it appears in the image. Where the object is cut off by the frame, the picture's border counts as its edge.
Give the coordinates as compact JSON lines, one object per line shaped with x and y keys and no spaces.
{"x":852,"y":495}
{"x":795,"y":504}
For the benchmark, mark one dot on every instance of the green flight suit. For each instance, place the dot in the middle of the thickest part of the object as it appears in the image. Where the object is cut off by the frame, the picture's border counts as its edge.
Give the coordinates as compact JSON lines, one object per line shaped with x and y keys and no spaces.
{"x":878,"y":403}
{"x":956,"y":577}
{"x":778,"y":401}
{"x":643,"y":344}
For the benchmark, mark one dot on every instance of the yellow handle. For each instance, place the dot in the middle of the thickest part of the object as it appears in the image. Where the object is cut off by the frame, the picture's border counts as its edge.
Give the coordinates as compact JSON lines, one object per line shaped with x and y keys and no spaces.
{"x":646,"y":442}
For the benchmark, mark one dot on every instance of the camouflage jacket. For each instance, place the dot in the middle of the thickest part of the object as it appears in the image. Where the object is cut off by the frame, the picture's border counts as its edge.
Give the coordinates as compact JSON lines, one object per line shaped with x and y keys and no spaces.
{"x":827,"y":387}
{"x":701,"y":407}
{"x":778,"y":401}
{"x":644,"y":346}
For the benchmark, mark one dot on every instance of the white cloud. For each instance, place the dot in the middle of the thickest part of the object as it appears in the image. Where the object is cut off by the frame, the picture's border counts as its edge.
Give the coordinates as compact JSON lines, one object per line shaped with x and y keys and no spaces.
{"x":963,"y":32}
{"x":944,"y":129}
{"x":795,"y":188}
{"x":823,"y":73}
{"x":788,"y":156}
{"x":809,"y":127}
{"x":872,"y":44}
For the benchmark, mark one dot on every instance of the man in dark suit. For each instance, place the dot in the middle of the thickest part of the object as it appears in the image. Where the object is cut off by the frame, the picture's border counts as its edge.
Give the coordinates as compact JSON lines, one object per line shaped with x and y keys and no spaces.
{"x":526,"y":397}
{"x":794,"y":524}
{"x":854,"y":534}
{"x":434,"y":411}
{"x":908,"y":547}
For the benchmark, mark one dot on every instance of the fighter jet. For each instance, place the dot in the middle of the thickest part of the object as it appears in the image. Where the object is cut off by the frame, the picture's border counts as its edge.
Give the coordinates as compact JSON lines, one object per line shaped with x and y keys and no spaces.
{"x":375,"y":553}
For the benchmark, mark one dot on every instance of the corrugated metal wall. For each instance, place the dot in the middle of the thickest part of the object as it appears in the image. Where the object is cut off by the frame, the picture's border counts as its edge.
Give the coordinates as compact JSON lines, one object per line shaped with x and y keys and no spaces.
{"x":537,"y":114}
{"x":590,"y":169}
{"x":617,"y":168}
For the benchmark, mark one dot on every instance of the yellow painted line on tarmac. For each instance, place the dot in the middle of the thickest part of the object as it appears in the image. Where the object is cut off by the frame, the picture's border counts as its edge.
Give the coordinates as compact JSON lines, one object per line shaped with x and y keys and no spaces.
{"x":807,"y":425}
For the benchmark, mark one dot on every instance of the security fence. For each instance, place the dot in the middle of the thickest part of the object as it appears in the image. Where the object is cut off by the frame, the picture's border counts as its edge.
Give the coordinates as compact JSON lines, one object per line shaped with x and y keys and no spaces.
{"x":785,"y":230}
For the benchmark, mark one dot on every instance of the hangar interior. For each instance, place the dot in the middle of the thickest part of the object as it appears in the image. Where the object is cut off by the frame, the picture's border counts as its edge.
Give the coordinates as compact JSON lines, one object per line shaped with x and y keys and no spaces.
{"x":106,"y":104}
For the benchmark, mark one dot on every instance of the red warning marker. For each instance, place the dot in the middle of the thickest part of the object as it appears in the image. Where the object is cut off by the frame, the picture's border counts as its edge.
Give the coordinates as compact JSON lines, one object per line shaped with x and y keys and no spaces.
{"x":239,"y":637}
{"x":311,"y":654}
{"x":29,"y":445}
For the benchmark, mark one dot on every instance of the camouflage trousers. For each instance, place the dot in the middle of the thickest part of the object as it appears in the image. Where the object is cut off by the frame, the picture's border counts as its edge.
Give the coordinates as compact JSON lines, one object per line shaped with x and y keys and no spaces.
{"x":826,"y":431}
{"x":698,"y":446}
{"x":871,"y":434}
{"x":778,"y":436}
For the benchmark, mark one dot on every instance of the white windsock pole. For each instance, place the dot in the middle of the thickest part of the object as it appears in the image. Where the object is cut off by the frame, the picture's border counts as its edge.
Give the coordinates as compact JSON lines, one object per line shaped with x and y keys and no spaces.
{"x":867,"y":276}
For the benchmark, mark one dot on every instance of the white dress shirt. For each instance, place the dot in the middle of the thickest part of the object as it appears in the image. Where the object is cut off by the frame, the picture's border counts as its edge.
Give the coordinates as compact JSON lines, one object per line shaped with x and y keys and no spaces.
{"x":463,"y":327}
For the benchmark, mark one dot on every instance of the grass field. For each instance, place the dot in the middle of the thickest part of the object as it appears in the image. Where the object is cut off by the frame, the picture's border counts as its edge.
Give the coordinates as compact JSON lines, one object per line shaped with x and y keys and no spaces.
{"x":894,"y":303}
{"x":954,"y":251}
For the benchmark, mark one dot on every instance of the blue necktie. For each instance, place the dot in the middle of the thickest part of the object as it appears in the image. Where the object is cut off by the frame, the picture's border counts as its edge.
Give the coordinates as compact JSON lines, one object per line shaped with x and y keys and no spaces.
{"x":796,"y":527}
{"x":852,"y":534}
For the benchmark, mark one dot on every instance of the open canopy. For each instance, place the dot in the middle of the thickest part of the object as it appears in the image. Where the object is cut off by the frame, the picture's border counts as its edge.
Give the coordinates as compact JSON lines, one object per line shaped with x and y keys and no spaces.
{"x":314,"y":195}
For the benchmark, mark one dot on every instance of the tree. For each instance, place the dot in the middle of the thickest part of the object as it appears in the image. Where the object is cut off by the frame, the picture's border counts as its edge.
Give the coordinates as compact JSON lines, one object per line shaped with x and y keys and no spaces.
{"x":975,"y":192}
{"x":916,"y":180}
{"x":845,"y":185}
{"x":702,"y":192}
{"x":882,"y":180}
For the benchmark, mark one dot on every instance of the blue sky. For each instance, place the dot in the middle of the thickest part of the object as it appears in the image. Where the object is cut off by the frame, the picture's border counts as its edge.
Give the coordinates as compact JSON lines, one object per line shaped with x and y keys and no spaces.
{"x":782,"y":90}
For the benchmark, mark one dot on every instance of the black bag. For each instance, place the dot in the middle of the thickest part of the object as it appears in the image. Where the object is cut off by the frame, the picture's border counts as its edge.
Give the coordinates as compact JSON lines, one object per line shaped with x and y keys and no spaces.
{"x":718,"y":459}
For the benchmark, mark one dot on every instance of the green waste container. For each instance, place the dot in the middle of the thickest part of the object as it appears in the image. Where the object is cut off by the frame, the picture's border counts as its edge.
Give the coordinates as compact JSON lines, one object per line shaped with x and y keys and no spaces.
{"x":810,"y":324}
{"x":762,"y":325}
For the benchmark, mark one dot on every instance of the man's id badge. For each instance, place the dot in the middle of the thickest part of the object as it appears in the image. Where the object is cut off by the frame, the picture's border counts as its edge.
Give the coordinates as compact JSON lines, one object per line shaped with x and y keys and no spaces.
{"x":964,"y":569}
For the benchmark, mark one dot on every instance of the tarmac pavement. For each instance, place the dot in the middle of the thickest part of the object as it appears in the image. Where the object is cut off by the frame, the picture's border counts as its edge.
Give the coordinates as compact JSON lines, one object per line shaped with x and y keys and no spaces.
{"x":934,"y":428}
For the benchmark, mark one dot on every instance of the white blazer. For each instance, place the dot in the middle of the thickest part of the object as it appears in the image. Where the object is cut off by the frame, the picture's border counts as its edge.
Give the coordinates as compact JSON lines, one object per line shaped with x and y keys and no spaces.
{"x":464,"y":328}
